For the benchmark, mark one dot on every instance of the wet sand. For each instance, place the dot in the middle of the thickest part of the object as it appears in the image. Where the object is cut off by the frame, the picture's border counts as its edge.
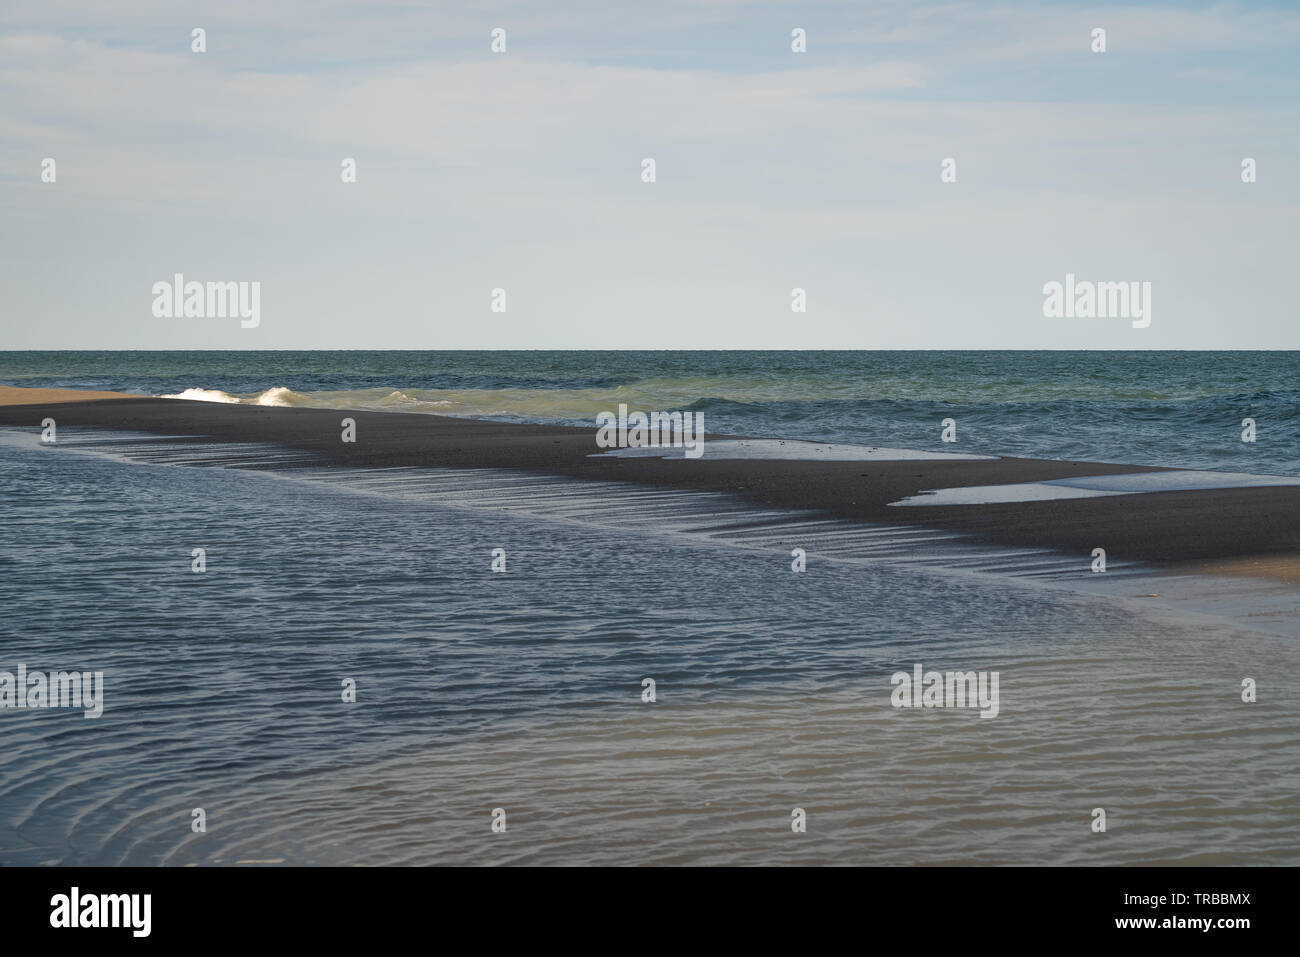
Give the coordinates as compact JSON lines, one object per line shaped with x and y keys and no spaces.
{"x":1283,"y":568}
{"x":1168,"y":528}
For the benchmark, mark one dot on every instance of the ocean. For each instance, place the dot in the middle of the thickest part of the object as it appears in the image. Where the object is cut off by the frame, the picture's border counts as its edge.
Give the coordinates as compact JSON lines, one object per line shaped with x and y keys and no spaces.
{"x":1182,"y":409}
{"x":524,"y":690}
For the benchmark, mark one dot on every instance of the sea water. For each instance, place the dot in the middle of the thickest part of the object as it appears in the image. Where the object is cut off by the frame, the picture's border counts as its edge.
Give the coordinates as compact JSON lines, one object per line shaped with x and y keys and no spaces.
{"x":1178,"y":409}
{"x":523,"y":691}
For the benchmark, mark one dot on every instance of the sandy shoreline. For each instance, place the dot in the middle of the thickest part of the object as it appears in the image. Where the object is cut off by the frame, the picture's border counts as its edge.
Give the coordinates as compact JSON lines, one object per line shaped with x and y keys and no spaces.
{"x":1186,"y":528}
{"x":16,"y":395}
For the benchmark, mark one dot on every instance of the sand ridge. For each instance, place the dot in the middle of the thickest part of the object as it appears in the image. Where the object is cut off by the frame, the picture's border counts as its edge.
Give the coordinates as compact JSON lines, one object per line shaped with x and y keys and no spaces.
{"x":1173,"y":527}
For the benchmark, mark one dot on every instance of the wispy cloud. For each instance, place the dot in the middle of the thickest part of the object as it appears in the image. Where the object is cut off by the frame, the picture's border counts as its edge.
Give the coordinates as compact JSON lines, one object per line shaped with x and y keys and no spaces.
{"x":522,"y":170}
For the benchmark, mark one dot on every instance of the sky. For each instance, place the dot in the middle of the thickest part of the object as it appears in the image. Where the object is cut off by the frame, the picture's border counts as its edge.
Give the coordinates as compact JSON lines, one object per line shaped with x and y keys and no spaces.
{"x":774,"y":170}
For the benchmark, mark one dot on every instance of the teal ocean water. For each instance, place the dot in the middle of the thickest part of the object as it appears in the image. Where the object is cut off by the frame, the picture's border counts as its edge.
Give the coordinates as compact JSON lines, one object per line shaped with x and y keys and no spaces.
{"x":1157,"y":408}
{"x":523,"y":689}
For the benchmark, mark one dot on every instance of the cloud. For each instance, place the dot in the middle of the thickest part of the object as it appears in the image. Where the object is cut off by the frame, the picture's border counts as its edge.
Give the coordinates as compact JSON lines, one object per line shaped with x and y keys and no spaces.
{"x":522,"y":171}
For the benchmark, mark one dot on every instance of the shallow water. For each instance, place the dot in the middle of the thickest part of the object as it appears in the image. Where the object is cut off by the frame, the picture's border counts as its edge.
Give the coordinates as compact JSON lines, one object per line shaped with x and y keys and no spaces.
{"x":786,"y":450}
{"x":1091,"y":486}
{"x":522,"y":690}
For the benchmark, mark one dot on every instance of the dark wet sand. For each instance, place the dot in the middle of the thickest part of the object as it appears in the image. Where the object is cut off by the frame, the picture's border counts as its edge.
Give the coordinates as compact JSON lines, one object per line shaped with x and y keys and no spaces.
{"x":1161,"y":527}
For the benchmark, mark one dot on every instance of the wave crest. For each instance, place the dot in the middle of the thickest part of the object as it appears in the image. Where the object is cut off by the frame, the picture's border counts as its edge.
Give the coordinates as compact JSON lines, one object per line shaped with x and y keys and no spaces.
{"x":277,"y":395}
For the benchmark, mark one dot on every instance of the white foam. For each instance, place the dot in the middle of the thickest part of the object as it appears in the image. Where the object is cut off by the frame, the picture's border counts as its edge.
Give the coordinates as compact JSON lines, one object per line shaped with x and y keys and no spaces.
{"x":794,"y":450}
{"x":204,"y":395}
{"x":277,"y":395}
{"x":1096,"y":485}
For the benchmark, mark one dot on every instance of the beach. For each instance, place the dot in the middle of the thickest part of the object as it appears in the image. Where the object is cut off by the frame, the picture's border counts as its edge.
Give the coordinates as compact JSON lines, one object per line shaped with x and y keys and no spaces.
{"x":723,"y":435}
{"x":496,"y":594}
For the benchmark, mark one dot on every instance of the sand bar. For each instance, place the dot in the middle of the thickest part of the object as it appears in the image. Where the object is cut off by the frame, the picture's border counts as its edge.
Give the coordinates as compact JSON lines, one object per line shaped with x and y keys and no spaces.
{"x":1163,"y":527}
